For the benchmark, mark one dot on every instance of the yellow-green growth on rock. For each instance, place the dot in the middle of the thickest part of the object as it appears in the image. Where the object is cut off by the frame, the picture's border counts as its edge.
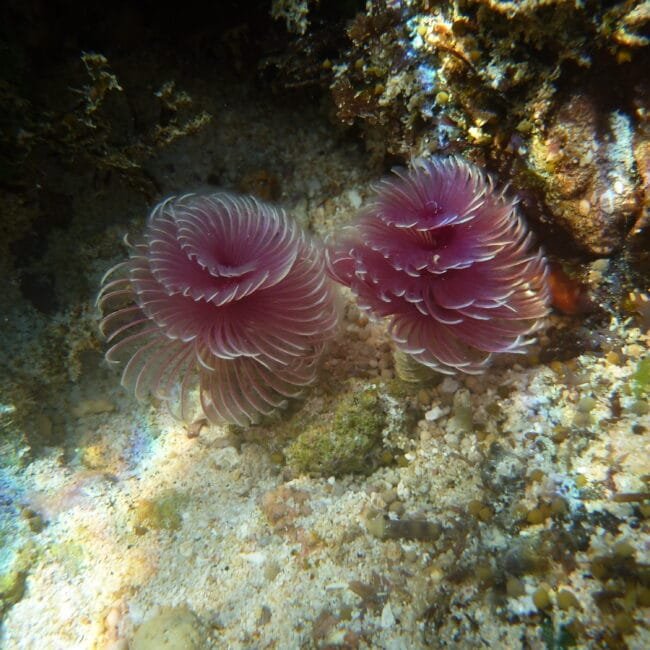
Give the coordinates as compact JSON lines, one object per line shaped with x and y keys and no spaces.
{"x":641,"y":377}
{"x":164,"y":512}
{"x":343,"y":444}
{"x":13,"y":578}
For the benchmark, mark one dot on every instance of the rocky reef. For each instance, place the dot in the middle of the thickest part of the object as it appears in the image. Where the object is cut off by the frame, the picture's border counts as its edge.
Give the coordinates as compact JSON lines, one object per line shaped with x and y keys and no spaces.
{"x":519,"y":86}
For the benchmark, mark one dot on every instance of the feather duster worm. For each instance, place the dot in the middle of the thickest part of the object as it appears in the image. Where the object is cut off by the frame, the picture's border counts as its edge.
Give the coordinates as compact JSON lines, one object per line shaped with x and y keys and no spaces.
{"x":447,"y":258}
{"x":225,"y":289}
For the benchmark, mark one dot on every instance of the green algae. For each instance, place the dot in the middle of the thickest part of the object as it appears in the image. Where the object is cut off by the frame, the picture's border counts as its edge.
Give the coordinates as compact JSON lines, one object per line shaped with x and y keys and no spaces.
{"x":344,"y":444}
{"x":164,"y":512}
{"x":71,"y":555}
{"x":641,"y":377}
{"x":13,"y":579}
{"x":12,"y":588}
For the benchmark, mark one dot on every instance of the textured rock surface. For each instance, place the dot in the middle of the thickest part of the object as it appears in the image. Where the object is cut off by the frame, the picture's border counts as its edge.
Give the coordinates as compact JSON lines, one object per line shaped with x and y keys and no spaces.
{"x":174,"y":628}
{"x":588,"y":173}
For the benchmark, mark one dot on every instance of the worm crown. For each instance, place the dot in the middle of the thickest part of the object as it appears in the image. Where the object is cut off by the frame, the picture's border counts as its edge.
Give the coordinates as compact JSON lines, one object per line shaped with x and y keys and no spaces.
{"x":224,"y":290}
{"x":448,"y":259}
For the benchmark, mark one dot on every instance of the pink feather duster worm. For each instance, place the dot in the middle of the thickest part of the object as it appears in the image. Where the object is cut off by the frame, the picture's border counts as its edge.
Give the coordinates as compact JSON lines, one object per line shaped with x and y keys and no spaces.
{"x":448,"y":259}
{"x":224,"y":289}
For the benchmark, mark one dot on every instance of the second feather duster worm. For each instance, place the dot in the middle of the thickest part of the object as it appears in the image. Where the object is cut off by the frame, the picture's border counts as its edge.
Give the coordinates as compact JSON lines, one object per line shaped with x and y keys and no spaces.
{"x":448,"y":259}
{"x":225,"y":289}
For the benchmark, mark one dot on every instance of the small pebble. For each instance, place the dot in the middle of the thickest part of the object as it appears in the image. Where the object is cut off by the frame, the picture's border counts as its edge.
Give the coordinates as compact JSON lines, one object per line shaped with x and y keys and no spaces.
{"x":355,"y":198}
{"x":586,"y":404}
{"x":113,"y":617}
{"x":388,"y":496}
{"x":634,"y":350}
{"x":433,"y":414}
{"x":535,"y":516}
{"x":515,"y":588}
{"x":452,"y":440}
{"x":536,"y":475}
{"x":559,"y":506}
{"x":271,"y":570}
{"x":542,"y":598}
{"x":265,"y":615}
{"x":393,"y":551}
{"x":581,"y":419}
{"x":448,"y":385}
{"x":387,"y":617}
{"x":639,"y":407}
{"x":584,"y":207}
{"x":600,"y":265}
{"x":567,"y":600}
{"x":442,"y":98}
{"x":624,"y":623}
{"x":623,"y":549}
